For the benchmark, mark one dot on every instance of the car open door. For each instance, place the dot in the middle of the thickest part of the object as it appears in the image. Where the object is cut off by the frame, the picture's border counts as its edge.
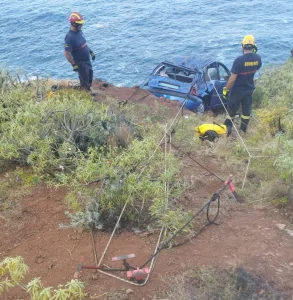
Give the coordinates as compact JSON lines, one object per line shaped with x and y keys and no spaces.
{"x":220,"y":82}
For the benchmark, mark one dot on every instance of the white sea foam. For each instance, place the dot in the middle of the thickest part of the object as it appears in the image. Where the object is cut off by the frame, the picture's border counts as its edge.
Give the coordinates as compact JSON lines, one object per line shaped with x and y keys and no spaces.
{"x":101,"y":25}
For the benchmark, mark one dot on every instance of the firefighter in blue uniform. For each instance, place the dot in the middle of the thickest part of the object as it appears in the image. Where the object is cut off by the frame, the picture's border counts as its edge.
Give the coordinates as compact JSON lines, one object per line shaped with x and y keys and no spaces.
{"x":241,"y":84}
{"x":78,"y":52}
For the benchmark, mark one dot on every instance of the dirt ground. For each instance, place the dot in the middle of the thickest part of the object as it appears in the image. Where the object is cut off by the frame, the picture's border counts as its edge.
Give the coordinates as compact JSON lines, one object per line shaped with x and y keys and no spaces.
{"x":136,"y":96}
{"x":248,"y":237}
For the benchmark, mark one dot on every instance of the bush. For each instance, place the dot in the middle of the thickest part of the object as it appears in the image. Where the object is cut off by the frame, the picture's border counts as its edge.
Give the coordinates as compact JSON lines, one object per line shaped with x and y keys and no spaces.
{"x":48,"y":134}
{"x":274,"y":87}
{"x":67,"y":139}
{"x":14,"y":269}
{"x":276,"y":99}
{"x":233,"y":284}
{"x":126,"y":176}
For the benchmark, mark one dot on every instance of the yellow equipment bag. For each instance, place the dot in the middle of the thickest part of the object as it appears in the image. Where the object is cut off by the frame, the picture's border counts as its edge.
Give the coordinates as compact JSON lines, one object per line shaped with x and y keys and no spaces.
{"x":210,"y":131}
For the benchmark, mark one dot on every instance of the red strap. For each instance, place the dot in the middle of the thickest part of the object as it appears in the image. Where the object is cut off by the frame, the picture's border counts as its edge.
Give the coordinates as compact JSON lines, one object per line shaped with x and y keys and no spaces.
{"x":79,"y":47}
{"x":245,"y":73}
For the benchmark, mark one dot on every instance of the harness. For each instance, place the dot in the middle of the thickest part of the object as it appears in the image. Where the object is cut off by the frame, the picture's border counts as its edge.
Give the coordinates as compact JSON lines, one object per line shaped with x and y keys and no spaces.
{"x":248,"y":72}
{"x":82,"y":46}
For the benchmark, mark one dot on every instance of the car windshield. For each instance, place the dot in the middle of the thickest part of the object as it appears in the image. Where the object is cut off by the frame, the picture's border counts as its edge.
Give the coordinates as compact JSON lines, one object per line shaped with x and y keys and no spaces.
{"x":176,"y":73}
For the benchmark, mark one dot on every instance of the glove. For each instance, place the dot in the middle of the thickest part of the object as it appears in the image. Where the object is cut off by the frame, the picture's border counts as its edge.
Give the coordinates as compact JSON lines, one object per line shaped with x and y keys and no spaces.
{"x":254,"y":50}
{"x":92,"y":55}
{"x":75,"y":68}
{"x":225,"y":93}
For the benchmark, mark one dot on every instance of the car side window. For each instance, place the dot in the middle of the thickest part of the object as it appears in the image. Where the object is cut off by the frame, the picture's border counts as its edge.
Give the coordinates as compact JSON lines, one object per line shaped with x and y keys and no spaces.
{"x":212,"y":73}
{"x":224,"y":75}
{"x":161,"y":71}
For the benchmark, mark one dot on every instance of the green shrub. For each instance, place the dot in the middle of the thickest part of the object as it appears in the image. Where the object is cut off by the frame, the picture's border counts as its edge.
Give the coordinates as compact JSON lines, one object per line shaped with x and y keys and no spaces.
{"x":67,"y":139}
{"x":274,"y":87}
{"x":48,"y":134}
{"x":232,"y":284}
{"x":12,"y":272}
{"x":135,"y":176}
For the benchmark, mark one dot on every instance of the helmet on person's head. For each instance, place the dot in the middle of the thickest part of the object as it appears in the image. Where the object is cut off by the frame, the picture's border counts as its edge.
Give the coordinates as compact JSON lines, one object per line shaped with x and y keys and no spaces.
{"x":248,"y":40}
{"x":76,"y":18}
{"x":248,"y":43}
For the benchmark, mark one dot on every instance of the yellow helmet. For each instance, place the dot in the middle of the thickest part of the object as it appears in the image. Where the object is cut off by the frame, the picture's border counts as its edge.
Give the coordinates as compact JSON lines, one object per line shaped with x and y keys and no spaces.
{"x":248,"y":40}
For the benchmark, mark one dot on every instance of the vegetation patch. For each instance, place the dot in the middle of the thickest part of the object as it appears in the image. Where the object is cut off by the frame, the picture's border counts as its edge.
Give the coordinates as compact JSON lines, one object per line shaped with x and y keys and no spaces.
{"x":268,"y":144}
{"x":12,"y":272}
{"x":233,"y":284}
{"x":107,"y":161}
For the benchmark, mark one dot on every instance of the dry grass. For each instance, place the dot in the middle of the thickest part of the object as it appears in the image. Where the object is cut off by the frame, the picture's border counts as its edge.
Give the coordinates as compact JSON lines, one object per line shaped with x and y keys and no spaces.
{"x":234,"y":284}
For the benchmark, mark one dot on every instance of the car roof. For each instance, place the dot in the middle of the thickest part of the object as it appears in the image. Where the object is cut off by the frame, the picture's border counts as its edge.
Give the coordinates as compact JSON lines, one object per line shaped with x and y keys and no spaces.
{"x":193,"y":63}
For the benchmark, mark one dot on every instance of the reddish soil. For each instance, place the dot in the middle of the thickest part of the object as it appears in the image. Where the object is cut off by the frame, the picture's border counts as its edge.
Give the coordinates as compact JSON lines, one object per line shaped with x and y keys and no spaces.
{"x":245,"y":236}
{"x":135,"y":95}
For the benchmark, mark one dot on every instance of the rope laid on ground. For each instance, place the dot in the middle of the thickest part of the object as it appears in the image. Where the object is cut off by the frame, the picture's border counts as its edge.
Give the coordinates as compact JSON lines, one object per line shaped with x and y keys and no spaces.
{"x":113,"y":232}
{"x":177,"y":148}
{"x":157,"y":250}
{"x":250,"y":156}
{"x":229,"y":115}
{"x":126,"y":202}
{"x":215,"y":197}
{"x":151,"y":267}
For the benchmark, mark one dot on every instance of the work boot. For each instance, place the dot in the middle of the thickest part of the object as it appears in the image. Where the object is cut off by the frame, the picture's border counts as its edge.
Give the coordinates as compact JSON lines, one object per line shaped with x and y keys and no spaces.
{"x":243,"y":125}
{"x":229,"y":126}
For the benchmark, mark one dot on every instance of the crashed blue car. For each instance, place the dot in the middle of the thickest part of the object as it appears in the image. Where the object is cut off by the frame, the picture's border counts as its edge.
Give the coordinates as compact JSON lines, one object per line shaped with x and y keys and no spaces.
{"x":199,"y":80}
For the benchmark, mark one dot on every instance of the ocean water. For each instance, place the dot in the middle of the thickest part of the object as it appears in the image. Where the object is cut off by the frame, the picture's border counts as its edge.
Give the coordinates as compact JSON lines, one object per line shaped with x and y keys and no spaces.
{"x":131,"y":37}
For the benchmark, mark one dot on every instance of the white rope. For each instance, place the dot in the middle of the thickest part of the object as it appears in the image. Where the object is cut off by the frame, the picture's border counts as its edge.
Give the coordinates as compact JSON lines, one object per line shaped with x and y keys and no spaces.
{"x":244,"y":145}
{"x":263,"y":156}
{"x":167,"y":129}
{"x":247,"y":168}
{"x":255,"y":118}
{"x":242,"y":141}
{"x":246,"y":148}
{"x":183,"y":103}
{"x":166,"y":184}
{"x":113,"y":232}
{"x":159,"y":239}
{"x":153,"y":261}
{"x":151,"y":266}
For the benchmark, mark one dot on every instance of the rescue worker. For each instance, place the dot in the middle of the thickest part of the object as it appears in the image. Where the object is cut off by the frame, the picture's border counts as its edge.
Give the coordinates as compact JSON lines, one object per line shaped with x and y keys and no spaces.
{"x":78,"y":52}
{"x":241,"y":84}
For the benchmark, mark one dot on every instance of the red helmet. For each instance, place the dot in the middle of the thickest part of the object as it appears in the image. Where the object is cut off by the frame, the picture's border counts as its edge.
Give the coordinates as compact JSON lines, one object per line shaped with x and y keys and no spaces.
{"x":76,"y":18}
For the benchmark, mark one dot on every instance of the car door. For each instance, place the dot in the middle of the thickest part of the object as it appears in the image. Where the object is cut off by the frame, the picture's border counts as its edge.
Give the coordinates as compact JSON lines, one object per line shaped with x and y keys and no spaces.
{"x":219,"y":84}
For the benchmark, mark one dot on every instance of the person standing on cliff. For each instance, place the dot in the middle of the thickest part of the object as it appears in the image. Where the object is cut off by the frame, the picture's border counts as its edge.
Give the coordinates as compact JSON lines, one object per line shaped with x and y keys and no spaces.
{"x":78,"y":53}
{"x":241,"y":84}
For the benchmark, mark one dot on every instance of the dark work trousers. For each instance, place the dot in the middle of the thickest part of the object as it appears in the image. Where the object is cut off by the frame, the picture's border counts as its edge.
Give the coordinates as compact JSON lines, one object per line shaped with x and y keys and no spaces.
{"x":237,"y":98}
{"x":85,"y":73}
